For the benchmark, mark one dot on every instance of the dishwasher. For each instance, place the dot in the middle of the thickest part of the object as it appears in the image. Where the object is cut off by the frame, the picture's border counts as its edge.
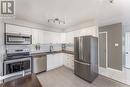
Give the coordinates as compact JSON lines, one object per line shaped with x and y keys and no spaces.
{"x":39,"y":64}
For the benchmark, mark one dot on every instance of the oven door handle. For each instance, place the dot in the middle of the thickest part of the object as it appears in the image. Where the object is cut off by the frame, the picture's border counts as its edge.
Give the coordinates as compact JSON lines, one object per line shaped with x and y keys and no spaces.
{"x":17,"y":60}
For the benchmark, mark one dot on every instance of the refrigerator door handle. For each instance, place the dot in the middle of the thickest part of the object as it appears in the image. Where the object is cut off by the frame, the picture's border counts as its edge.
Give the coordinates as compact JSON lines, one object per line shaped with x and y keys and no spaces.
{"x":82,"y":63}
{"x":80,"y":48}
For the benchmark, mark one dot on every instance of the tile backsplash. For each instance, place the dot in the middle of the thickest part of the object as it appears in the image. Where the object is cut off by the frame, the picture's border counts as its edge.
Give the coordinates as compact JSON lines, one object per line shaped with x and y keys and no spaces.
{"x":70,"y":47}
{"x":43,"y":48}
{"x":46,"y":47}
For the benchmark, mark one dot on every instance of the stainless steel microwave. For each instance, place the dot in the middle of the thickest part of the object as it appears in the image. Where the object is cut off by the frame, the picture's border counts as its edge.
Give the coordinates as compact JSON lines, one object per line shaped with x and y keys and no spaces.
{"x":17,"y":39}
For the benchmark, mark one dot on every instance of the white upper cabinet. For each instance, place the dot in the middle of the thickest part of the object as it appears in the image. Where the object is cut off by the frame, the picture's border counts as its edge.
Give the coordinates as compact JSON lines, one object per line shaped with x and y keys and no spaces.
{"x":63,"y":38}
{"x":18,"y":29}
{"x":82,"y":32}
{"x":35,"y":36}
{"x":41,"y":37}
{"x":89,"y":31}
{"x":52,"y":37}
{"x":70,"y":37}
{"x":38,"y":36}
{"x":45,"y":37}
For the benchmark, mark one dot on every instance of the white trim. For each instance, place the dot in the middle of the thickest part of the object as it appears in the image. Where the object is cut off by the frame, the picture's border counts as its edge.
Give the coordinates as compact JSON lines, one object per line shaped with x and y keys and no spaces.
{"x":121,"y":76}
{"x":125,"y":49}
{"x":106,"y":48}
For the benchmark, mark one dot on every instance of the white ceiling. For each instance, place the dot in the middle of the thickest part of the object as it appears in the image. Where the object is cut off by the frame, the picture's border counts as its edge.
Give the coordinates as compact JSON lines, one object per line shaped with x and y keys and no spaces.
{"x":74,"y":11}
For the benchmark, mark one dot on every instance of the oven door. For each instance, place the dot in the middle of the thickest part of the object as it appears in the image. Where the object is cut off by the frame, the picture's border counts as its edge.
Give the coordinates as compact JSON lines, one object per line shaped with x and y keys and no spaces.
{"x":17,"y":65}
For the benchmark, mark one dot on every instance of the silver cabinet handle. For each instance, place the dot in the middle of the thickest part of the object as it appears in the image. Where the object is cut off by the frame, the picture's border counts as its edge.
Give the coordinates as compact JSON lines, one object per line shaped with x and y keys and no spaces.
{"x":82,"y":63}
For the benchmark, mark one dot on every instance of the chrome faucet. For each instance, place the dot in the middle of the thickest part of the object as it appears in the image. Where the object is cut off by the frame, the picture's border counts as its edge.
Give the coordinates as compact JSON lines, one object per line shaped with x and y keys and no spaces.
{"x":51,"y":47}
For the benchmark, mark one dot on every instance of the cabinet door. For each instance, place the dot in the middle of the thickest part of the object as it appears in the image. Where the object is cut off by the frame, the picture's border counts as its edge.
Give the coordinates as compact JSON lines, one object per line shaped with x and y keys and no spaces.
{"x":18,"y":29}
{"x":66,"y":62}
{"x":50,"y":62}
{"x":63,"y":38}
{"x":72,"y":62}
{"x":34,"y":36}
{"x":37,"y":36}
{"x":54,"y":61}
{"x":69,"y":61}
{"x":40,"y":36}
{"x":56,"y":37}
{"x":70,"y":37}
{"x":1,"y":65}
{"x":47,"y":38}
{"x":59,"y":59}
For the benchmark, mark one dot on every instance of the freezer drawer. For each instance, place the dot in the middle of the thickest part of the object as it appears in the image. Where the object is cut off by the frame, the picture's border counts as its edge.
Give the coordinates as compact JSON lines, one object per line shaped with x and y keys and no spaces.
{"x":82,"y":70}
{"x":85,"y":71}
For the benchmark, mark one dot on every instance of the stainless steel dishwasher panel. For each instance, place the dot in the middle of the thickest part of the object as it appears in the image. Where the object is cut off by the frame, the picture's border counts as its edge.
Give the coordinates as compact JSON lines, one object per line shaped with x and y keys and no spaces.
{"x":39,"y":64}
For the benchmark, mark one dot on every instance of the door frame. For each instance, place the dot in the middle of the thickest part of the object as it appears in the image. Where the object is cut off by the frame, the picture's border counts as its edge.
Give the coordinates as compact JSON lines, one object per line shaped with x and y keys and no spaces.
{"x":106,"y":48}
{"x":125,"y":49}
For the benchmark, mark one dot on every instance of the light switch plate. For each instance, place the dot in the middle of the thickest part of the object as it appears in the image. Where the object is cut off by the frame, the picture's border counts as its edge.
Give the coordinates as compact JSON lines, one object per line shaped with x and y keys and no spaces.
{"x":116,"y":44}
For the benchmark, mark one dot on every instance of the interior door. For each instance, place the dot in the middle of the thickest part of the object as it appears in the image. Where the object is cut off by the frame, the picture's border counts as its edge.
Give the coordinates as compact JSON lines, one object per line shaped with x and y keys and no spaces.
{"x":127,"y":49}
{"x":103,"y":49}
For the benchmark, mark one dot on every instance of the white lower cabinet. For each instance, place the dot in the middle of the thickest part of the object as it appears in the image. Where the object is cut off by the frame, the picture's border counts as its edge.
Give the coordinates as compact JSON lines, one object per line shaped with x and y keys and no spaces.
{"x":54,"y":61}
{"x":50,"y":62}
{"x":60,"y":59}
{"x":69,"y":61}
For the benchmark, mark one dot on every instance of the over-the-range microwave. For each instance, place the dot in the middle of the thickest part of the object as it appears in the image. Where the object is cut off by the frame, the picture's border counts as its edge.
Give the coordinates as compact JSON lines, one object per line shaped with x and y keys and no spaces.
{"x":17,"y":39}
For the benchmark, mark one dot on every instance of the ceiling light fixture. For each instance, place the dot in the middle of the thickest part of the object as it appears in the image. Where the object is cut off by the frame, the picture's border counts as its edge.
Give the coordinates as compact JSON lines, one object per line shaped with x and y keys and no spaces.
{"x":111,"y":1}
{"x":56,"y":20}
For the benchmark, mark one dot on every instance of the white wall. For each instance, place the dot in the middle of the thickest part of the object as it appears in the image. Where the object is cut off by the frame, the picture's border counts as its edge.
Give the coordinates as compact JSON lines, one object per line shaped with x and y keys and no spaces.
{"x":82,"y":25}
{"x":1,"y":46}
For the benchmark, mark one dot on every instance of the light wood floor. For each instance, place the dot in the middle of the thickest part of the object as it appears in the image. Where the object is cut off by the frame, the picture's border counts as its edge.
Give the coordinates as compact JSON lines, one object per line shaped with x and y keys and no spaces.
{"x":64,"y":77}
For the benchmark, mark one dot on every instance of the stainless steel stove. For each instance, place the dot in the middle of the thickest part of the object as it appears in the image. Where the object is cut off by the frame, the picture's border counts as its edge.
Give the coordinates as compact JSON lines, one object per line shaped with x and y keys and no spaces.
{"x":17,"y":60}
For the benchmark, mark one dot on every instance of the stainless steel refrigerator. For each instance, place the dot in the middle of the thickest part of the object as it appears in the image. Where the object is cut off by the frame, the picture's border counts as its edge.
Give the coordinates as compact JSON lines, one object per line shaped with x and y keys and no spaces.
{"x":86,"y":57}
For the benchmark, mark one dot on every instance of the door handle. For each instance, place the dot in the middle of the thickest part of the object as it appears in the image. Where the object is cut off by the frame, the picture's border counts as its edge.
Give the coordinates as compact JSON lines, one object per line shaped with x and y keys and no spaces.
{"x":127,"y":53}
{"x":82,"y":63}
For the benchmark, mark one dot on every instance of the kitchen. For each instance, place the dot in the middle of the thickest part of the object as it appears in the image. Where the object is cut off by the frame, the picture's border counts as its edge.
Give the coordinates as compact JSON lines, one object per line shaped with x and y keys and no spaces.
{"x":54,"y":52}
{"x":47,"y":52}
